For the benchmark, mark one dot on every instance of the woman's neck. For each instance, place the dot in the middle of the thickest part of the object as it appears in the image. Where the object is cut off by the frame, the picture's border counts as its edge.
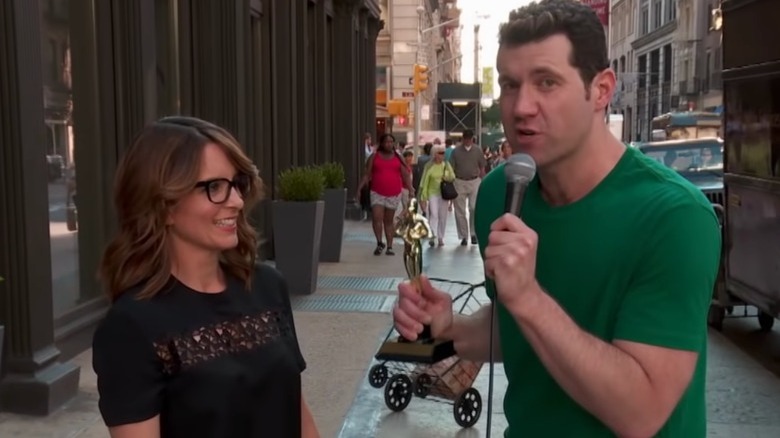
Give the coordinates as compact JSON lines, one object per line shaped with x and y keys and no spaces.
{"x":201,"y":272}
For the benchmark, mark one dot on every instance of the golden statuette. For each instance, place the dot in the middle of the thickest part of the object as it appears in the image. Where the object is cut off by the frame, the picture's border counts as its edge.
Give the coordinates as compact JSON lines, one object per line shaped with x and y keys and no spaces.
{"x":413,"y":228}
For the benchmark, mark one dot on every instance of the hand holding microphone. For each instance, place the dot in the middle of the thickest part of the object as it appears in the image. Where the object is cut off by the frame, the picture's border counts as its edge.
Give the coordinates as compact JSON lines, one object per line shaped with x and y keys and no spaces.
{"x":510,"y":255}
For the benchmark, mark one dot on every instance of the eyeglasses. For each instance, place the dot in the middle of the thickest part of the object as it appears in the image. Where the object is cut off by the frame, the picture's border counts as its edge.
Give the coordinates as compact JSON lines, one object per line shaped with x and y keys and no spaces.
{"x":218,"y":189}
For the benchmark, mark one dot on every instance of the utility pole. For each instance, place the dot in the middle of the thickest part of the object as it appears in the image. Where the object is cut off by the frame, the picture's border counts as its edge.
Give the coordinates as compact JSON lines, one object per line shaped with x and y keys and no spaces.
{"x":476,"y":53}
{"x":419,"y":70}
{"x":417,"y":97}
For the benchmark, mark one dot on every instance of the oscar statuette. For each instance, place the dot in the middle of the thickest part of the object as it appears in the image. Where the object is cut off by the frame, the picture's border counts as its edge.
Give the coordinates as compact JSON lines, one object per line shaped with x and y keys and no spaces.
{"x":413,"y":228}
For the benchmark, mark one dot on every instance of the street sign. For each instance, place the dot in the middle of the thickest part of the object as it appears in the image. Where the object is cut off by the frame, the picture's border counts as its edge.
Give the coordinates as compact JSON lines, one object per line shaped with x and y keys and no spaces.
{"x":407,"y":94}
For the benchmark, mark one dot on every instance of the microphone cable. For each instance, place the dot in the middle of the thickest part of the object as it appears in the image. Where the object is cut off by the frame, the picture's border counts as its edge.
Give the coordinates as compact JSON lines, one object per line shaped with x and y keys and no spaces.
{"x":490,"y":375}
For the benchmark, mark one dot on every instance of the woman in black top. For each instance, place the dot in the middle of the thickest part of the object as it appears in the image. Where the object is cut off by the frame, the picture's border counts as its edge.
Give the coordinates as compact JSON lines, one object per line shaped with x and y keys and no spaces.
{"x":200,"y":340}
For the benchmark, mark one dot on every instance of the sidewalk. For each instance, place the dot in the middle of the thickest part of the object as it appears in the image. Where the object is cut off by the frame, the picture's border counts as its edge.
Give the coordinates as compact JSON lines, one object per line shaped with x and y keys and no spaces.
{"x":341,"y":326}
{"x":338,"y":328}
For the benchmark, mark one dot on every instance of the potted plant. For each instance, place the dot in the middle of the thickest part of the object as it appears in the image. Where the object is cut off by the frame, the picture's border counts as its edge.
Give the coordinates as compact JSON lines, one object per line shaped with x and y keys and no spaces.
{"x":297,"y":227}
{"x":335,"y":197}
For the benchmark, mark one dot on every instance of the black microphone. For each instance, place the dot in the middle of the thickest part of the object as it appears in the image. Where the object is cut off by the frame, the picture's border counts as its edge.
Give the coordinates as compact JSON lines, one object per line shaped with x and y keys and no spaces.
{"x":520,"y":169}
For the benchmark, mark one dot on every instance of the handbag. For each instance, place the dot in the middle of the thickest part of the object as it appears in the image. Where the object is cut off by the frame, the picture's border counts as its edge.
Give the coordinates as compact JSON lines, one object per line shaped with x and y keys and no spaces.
{"x":448,"y":192}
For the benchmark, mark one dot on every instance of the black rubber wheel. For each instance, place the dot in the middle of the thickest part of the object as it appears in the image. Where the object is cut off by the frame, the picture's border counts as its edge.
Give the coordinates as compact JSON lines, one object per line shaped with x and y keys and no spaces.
{"x":766,"y":322}
{"x":377,"y":376}
{"x":467,"y":408}
{"x":422,"y":385}
{"x":398,"y":392}
{"x":715,"y":317}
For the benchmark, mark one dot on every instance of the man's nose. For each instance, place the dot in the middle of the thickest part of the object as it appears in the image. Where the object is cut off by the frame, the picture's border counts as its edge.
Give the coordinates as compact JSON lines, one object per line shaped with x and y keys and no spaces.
{"x":526,"y":103}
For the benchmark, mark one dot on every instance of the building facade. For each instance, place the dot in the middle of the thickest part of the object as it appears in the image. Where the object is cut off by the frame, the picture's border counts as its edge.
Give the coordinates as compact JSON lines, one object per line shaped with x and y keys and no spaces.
{"x":654,"y":46}
{"x":700,"y":60}
{"x":437,"y":25}
{"x":710,"y":66}
{"x":293,"y":80}
{"x":622,"y":25}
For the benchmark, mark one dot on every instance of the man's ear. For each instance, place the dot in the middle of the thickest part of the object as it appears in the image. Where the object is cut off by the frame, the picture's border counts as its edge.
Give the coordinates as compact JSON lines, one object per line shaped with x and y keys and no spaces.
{"x":603,"y":88}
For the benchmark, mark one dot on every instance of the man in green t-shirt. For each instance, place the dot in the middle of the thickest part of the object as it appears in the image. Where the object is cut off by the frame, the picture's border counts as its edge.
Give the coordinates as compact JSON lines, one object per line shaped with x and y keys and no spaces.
{"x":602,"y":289}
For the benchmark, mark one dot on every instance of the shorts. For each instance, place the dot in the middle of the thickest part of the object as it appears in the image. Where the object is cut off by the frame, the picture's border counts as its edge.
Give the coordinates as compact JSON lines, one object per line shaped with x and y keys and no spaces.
{"x":388,"y":202}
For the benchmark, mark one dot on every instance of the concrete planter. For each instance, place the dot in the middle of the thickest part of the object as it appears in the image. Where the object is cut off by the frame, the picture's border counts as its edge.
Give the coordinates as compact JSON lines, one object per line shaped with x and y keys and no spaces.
{"x":297,"y":229}
{"x":333,"y":225}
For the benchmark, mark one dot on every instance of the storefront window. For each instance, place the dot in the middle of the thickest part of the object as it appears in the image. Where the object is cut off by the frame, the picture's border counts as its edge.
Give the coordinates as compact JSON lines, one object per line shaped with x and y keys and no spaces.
{"x":60,"y":154}
{"x":751,"y":131}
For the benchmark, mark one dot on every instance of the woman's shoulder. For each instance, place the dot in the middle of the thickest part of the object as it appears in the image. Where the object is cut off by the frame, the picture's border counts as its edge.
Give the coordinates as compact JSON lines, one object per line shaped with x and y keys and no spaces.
{"x":269,"y":283}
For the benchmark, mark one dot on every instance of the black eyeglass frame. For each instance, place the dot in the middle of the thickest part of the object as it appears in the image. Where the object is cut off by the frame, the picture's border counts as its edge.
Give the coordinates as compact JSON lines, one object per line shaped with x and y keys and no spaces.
{"x":236,"y":183}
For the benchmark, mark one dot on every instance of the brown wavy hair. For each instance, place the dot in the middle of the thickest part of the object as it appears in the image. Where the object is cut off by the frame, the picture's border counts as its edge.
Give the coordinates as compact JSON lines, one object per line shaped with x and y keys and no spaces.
{"x":160,"y":168}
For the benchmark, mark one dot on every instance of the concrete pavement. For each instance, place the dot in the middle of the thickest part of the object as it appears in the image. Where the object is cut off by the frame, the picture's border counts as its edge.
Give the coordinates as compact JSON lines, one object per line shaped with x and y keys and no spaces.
{"x":341,"y":326}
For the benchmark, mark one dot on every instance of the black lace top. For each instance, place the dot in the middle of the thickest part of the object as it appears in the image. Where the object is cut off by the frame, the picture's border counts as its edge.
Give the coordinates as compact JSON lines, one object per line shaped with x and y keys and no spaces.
{"x":211,"y":365}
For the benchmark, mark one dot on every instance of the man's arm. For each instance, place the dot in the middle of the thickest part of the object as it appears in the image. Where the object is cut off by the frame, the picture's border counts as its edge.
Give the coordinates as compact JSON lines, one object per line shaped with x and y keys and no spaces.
{"x":366,"y":174}
{"x":634,"y":383}
{"x":631,"y":387}
{"x":308,"y":426}
{"x":471,"y":335}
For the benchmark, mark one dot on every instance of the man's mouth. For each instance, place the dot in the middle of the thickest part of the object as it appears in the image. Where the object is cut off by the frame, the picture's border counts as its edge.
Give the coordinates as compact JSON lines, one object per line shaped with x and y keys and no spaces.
{"x":526,"y":132}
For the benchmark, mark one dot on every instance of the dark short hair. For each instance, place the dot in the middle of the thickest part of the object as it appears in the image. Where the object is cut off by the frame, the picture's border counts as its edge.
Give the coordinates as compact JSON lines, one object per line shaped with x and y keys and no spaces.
{"x":408,"y":153}
{"x":577,"y":21}
{"x":468,"y":133}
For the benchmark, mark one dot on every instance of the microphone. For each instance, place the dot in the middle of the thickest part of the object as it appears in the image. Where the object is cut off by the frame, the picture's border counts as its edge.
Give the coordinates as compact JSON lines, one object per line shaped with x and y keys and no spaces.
{"x":520,"y":169}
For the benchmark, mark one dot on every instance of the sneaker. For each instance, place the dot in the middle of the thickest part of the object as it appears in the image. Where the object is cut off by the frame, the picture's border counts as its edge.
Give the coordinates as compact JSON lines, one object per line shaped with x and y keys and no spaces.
{"x":464,"y":242}
{"x":473,"y":240}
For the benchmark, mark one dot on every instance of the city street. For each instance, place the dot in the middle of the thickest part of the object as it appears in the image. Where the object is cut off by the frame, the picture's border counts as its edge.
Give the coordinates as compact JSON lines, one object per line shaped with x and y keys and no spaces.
{"x":342,"y":325}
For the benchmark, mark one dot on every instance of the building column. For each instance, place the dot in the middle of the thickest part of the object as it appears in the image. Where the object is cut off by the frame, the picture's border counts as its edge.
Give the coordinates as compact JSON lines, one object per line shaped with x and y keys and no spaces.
{"x":346,"y":92}
{"x":322,"y":141}
{"x":215,"y":60}
{"x":364,"y":113}
{"x":33,"y":381}
{"x":374,"y":26}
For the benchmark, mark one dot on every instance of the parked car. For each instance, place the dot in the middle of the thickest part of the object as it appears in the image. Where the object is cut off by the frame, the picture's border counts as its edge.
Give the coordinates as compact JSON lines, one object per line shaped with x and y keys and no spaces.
{"x":699,"y":160}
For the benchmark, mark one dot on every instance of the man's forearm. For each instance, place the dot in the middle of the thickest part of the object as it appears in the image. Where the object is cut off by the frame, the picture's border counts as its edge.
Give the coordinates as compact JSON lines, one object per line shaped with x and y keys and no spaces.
{"x":308,"y":425}
{"x":471,"y":336}
{"x":603,"y":379}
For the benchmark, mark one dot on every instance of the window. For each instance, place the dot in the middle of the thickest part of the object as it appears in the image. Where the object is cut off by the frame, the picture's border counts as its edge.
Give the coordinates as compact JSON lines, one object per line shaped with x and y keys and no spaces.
{"x":60,"y":156}
{"x":644,"y":21}
{"x":168,"y":87}
{"x":753,"y":127}
{"x":670,"y":7}
{"x":657,"y":17}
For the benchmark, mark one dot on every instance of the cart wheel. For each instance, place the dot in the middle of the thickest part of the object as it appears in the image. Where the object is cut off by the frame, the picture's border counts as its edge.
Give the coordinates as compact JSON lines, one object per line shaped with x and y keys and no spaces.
{"x":377,"y":376}
{"x":398,"y":392}
{"x":422,"y":385}
{"x":766,"y":321}
{"x":467,"y":408}
{"x":715,"y":317}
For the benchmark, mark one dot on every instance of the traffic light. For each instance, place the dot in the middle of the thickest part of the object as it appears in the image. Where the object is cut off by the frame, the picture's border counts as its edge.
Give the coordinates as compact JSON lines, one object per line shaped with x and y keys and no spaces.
{"x":398,"y":107}
{"x":420,"y":78}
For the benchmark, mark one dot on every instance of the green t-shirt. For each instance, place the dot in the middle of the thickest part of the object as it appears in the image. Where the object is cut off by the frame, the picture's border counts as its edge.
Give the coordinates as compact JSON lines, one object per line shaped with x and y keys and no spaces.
{"x":636,"y":259}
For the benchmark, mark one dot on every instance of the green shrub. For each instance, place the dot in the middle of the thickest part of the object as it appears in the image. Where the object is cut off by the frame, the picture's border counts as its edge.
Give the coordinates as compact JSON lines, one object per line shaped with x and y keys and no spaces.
{"x":334,"y":175}
{"x":301,"y":184}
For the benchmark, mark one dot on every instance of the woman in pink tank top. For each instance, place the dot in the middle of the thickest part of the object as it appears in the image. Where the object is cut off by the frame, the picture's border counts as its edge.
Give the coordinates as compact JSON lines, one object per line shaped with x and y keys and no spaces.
{"x":386,"y":174}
